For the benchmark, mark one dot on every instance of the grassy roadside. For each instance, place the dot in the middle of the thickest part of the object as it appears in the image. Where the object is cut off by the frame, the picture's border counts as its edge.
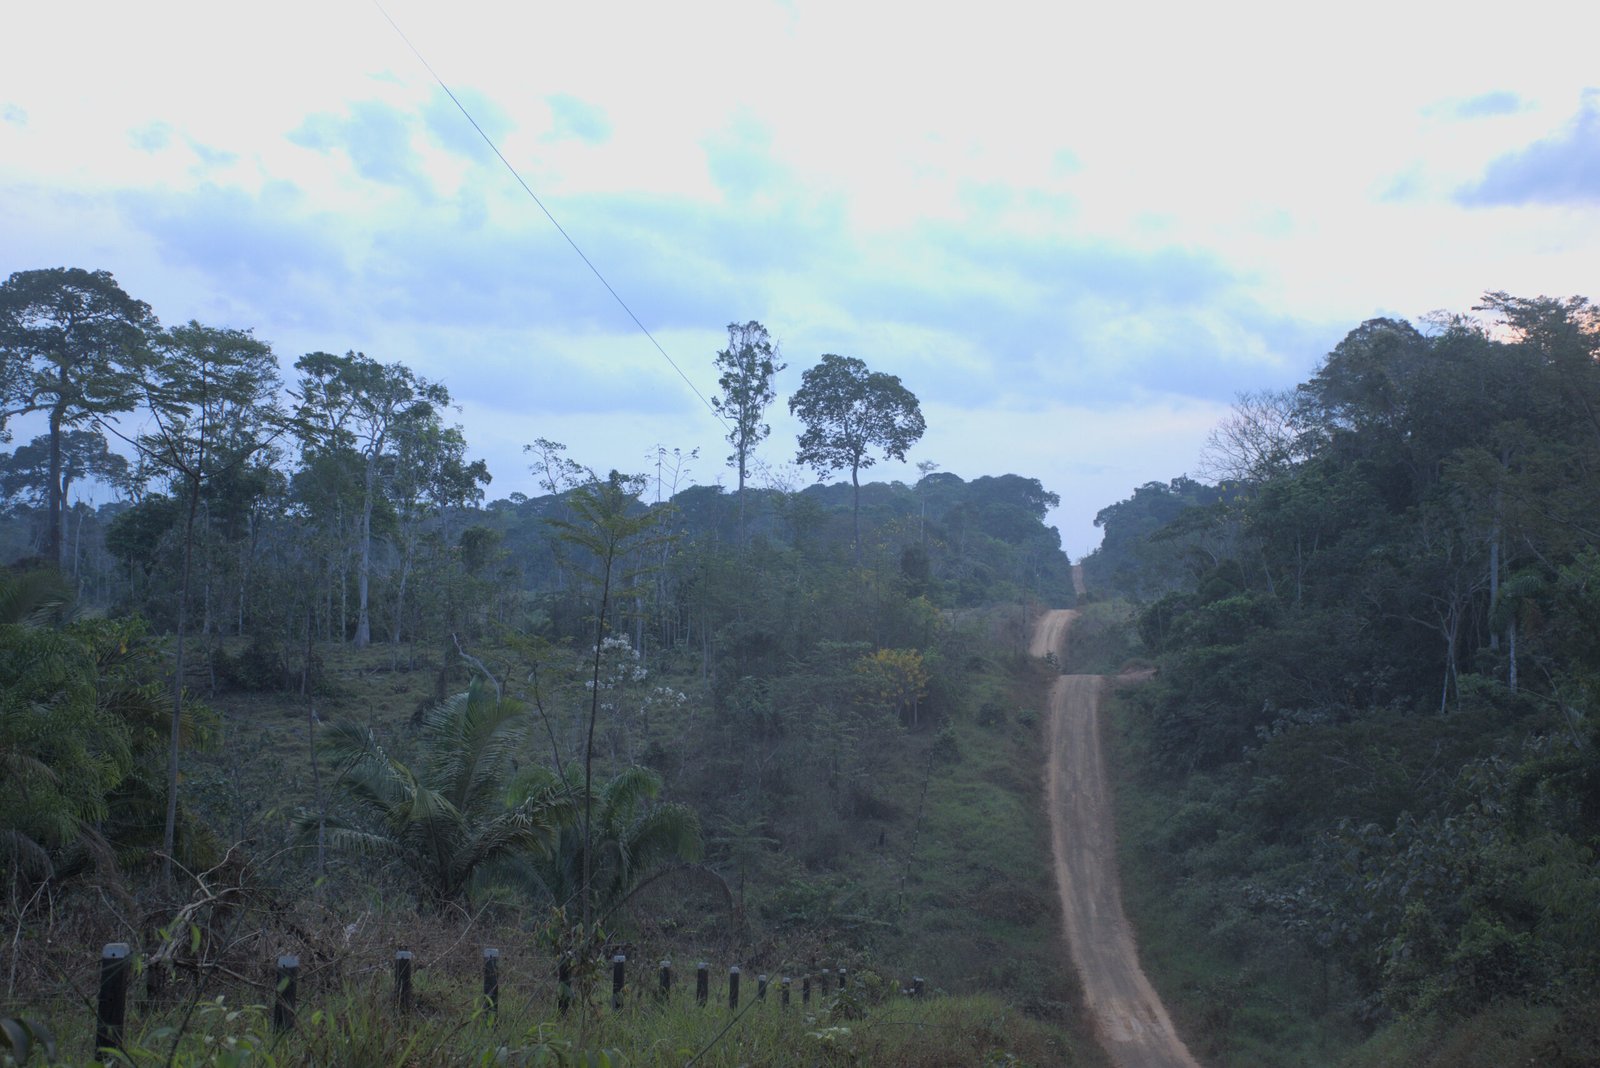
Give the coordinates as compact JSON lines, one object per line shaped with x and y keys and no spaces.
{"x":1233,"y":1001}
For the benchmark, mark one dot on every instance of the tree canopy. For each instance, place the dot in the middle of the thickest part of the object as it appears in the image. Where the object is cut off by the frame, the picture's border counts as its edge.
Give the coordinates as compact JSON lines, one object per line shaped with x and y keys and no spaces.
{"x":848,"y":412}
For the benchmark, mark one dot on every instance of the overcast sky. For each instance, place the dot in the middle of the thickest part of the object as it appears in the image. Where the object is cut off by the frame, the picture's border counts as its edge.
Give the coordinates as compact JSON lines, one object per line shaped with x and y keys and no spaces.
{"x":1074,"y":231}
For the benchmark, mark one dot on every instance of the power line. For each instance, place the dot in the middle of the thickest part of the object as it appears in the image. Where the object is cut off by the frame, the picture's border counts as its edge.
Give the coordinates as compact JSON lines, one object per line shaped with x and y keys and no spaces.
{"x":535,"y":198}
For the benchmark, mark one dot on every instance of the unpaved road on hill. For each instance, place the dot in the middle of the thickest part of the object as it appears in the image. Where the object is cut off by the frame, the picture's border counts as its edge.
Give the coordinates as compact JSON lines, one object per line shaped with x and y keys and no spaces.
{"x":1129,"y":1018}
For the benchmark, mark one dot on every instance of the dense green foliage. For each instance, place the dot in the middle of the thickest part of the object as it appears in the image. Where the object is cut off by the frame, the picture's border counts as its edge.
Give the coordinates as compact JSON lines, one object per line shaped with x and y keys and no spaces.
{"x":1374,"y":726}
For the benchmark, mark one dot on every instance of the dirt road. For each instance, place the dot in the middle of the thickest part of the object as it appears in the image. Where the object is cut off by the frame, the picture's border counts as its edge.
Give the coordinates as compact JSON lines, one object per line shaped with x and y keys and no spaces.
{"x":1130,"y":1020}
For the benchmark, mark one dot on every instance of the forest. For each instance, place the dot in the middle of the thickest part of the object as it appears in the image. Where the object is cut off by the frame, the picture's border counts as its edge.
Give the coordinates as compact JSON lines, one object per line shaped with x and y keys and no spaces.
{"x":300,"y":687}
{"x":1367,"y":770}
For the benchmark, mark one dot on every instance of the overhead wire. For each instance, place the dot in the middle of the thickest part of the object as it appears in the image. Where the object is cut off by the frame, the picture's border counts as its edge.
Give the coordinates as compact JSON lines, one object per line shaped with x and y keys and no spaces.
{"x":547,"y":213}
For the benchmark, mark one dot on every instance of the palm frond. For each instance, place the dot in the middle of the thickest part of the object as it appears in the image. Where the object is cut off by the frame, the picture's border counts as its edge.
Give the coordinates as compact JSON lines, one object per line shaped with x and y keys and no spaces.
{"x":31,"y":598}
{"x":471,"y":739}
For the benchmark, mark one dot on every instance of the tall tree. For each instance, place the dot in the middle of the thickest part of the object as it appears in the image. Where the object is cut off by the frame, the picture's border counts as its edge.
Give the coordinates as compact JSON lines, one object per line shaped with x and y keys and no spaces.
{"x":212,"y":395}
{"x":608,"y":526}
{"x":747,"y":366}
{"x":356,"y":402}
{"x":848,"y":411}
{"x":68,"y":338}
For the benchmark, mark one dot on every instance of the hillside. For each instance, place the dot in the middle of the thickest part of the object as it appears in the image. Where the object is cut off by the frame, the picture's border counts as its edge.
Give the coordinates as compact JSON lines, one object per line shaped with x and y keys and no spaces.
{"x":1359,"y":797}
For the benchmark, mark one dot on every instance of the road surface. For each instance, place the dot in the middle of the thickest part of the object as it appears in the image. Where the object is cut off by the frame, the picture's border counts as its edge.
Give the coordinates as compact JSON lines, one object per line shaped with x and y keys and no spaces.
{"x":1129,"y":1018}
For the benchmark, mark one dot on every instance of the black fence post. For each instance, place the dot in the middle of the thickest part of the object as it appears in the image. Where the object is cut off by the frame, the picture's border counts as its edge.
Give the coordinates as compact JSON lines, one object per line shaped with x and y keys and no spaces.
{"x":783,"y":992}
{"x":842,"y":973}
{"x":733,"y":987}
{"x":761,"y":988}
{"x":916,"y":986}
{"x":284,"y":992}
{"x":666,"y":980}
{"x":702,"y":983}
{"x":113,"y":1011}
{"x":618,"y":963}
{"x":491,"y":979}
{"x":564,"y":983}
{"x":822,"y":979}
{"x":402,"y":980}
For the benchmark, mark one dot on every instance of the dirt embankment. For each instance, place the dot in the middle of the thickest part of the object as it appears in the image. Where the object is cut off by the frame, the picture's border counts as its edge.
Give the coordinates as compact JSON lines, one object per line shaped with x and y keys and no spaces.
{"x":1129,"y":1018}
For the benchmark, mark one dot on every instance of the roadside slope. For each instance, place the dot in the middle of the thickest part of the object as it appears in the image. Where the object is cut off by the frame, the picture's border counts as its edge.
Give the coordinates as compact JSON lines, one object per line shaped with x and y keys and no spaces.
{"x":1129,"y":1018}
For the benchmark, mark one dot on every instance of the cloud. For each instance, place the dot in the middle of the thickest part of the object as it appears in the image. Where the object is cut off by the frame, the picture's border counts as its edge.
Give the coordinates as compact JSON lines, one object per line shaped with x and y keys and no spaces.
{"x":451,"y":130}
{"x":1563,"y":168}
{"x":269,"y":246}
{"x":1482,"y":106}
{"x":151,"y":137}
{"x":574,"y":119}
{"x":377,"y":140}
{"x":741,"y":162}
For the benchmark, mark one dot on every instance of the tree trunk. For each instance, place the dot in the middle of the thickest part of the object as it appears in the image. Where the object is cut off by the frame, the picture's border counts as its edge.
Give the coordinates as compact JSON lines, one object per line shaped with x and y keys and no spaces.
{"x":1511,"y":647}
{"x":54,"y":543}
{"x":169,"y":834}
{"x":364,"y":566}
{"x":855,"y":510}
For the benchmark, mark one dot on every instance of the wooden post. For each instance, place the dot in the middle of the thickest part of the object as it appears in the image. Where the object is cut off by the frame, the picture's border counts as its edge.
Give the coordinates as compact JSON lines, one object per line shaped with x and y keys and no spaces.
{"x":113,"y":1010}
{"x":783,"y":992}
{"x":402,"y":980}
{"x":666,"y":980}
{"x":761,"y":988}
{"x":284,"y":992}
{"x":733,"y":987}
{"x":618,"y":963}
{"x":822,"y":979}
{"x":842,"y":974}
{"x":916,"y":986}
{"x":491,"y":979}
{"x":564,"y":983}
{"x":702,"y":982}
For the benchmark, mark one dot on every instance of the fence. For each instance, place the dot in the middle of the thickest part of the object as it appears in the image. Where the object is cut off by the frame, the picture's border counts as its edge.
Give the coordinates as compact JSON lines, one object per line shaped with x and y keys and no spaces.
{"x":116,"y":967}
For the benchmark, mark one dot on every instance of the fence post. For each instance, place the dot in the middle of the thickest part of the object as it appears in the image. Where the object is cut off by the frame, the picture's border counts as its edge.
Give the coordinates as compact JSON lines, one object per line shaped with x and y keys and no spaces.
{"x":113,"y":1010}
{"x":805,"y":990}
{"x":491,"y":979}
{"x":842,"y":974}
{"x":916,"y":986}
{"x":284,"y":991}
{"x":702,"y":982}
{"x":666,"y":980}
{"x":733,"y":987}
{"x":402,"y":980}
{"x":564,"y":983}
{"x":618,"y":963}
{"x":783,"y":996}
{"x":822,"y":978}
{"x":761,"y":988}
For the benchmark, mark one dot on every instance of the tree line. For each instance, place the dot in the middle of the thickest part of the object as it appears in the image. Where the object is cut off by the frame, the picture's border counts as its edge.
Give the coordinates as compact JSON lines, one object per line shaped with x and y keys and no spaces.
{"x":1375,"y":712}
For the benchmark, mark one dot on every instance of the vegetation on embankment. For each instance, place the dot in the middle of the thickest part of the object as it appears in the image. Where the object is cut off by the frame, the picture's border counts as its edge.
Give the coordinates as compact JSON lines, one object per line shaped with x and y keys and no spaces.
{"x":1360,"y":800}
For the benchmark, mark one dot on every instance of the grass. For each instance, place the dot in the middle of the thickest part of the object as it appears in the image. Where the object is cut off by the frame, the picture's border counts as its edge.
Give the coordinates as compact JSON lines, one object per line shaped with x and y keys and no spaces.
{"x":359,"y":1027}
{"x":946,"y":874}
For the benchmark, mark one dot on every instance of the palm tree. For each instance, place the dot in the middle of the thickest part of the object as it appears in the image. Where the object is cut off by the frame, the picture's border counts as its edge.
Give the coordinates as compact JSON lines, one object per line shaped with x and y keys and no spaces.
{"x":632,"y":837}
{"x":446,"y":820}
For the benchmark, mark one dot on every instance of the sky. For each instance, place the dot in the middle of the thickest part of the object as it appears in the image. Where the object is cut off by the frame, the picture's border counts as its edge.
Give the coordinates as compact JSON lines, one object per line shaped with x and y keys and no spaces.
{"x":1076,"y":232}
